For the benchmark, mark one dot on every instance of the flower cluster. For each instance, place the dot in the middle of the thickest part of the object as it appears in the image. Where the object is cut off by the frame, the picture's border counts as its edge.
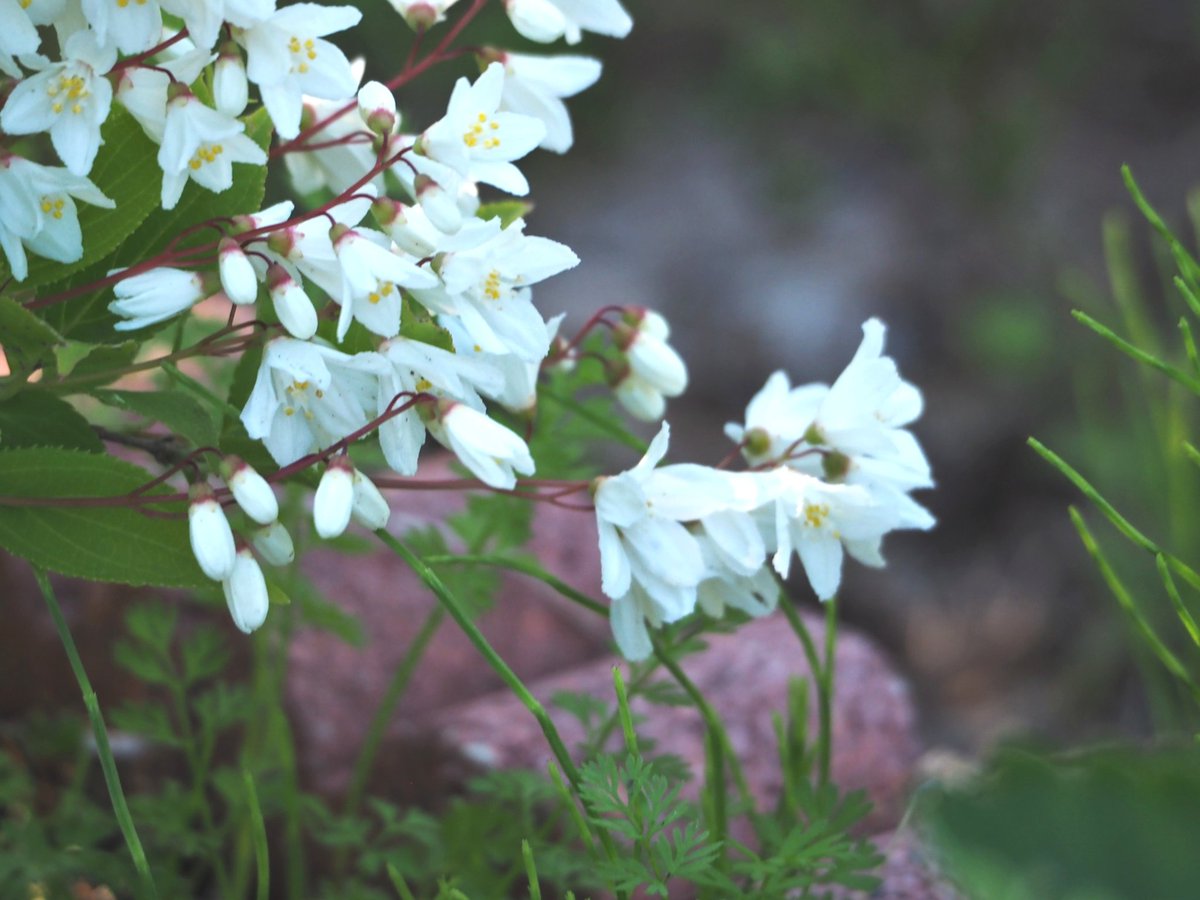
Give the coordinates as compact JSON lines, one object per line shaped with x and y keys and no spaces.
{"x":831,"y":468}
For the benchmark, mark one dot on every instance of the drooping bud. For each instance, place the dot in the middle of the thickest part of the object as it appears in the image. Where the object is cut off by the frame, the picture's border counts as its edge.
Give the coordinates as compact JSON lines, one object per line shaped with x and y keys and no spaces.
{"x":420,"y":16}
{"x":274,"y":544}
{"x":334,"y":500}
{"x":251,"y":491}
{"x":377,"y":106}
{"x":441,"y":208}
{"x":231,"y":90}
{"x":238,"y":280}
{"x":292,"y":303}
{"x":210,"y":534}
{"x":151,"y":297}
{"x":246,"y":593}
{"x":370,"y":507}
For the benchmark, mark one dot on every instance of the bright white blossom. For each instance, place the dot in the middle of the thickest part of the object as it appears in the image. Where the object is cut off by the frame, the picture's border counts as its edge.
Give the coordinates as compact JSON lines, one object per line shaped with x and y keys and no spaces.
{"x":130,"y":27}
{"x":231,"y":89}
{"x":654,"y":370}
{"x":18,"y":37}
{"x":201,"y":144}
{"x":274,"y":544}
{"x":605,"y":17}
{"x":292,"y":304}
{"x":251,"y":491}
{"x":210,"y":535}
{"x":308,"y":396}
{"x":204,"y":17}
{"x":369,"y":507}
{"x":69,"y":99}
{"x":143,"y":91}
{"x":154,"y":296}
{"x":477,"y":140}
{"x":246,"y":593}
{"x":238,"y":280}
{"x":287,"y":57}
{"x":538,"y":20}
{"x":421,"y":15}
{"x":377,"y":108}
{"x":372,"y":274}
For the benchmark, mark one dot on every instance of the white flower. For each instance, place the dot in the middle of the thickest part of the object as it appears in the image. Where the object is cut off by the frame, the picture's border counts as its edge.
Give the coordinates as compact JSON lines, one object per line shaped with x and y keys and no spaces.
{"x":438,"y":204}
{"x":537,"y":85}
{"x":756,"y":595}
{"x":210,"y":535}
{"x":130,"y":26}
{"x":205,"y":17}
{"x":518,"y":389}
{"x":288,"y":58}
{"x":238,"y":279}
{"x":372,"y":275}
{"x":333,"y":502}
{"x":292,"y":304}
{"x":605,"y":17}
{"x":819,"y":520}
{"x":345,"y":152}
{"x":231,"y":89}
{"x":370,"y":508}
{"x":201,"y":144}
{"x":151,"y":297}
{"x":487,"y":448}
{"x":274,"y":544}
{"x":246,"y":593}
{"x":251,"y":491}
{"x":414,"y":233}
{"x":69,"y":99}
{"x":478,"y":141}
{"x":538,"y":20}
{"x":18,"y":37}
{"x":654,"y":370}
{"x":417,"y":367}
{"x":37,"y":208}
{"x":308,"y":396}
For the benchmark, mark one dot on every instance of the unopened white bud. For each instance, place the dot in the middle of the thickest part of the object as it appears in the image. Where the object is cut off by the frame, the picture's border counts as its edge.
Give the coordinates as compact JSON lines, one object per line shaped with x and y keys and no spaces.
{"x":151,"y":297}
{"x":292,"y":304}
{"x":274,"y":544}
{"x":538,"y":20}
{"x":334,"y":499}
{"x":377,"y":106}
{"x":370,"y":507}
{"x":231,"y":90}
{"x":251,"y":491}
{"x":442,"y":209}
{"x":238,"y":280}
{"x":653,"y":360}
{"x":641,"y":399}
{"x":492,"y":452}
{"x":210,"y":535}
{"x":246,"y":593}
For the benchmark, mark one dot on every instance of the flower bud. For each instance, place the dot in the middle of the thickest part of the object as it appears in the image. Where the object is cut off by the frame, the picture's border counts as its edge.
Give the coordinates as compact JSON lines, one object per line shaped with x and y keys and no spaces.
{"x":210,"y":534}
{"x":238,"y":280}
{"x":641,"y":399}
{"x":377,"y":106}
{"x":420,"y":16}
{"x":292,"y":303}
{"x":370,"y":508}
{"x":251,"y":491}
{"x":538,"y":20}
{"x":246,"y":593}
{"x":150,"y":297}
{"x":334,"y":500}
{"x":231,"y":90}
{"x":441,"y":208}
{"x":274,"y":544}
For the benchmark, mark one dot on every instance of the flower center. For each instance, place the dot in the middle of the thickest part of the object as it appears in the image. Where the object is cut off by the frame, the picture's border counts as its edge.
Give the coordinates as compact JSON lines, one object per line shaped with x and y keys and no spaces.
{"x":205,"y":154}
{"x":385,"y":290}
{"x":68,"y":90}
{"x":491,"y":285}
{"x":303,"y":52}
{"x":474,"y":136}
{"x":53,"y":206}
{"x":815,"y":514}
{"x":298,"y":399}
{"x":124,"y":3}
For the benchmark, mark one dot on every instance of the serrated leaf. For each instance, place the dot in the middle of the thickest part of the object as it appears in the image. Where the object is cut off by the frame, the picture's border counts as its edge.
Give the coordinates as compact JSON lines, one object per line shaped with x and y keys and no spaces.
{"x":103,"y":543}
{"x":417,"y":324}
{"x":180,"y":412}
{"x":87,"y":317}
{"x":25,"y":338}
{"x":94,"y":364}
{"x":36,"y":418}
{"x":507,"y":211}
{"x":120,"y":171}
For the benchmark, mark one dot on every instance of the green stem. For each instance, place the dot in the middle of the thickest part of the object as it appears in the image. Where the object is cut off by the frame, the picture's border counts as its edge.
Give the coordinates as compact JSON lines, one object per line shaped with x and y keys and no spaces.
{"x":261,"y":854}
{"x":825,"y":739}
{"x":386,"y":709}
{"x":824,"y":707}
{"x":107,"y":764}
{"x":525,"y":567}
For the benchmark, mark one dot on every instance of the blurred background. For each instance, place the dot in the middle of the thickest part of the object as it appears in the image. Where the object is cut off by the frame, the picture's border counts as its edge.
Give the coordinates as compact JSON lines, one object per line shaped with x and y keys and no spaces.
{"x":770,"y":174}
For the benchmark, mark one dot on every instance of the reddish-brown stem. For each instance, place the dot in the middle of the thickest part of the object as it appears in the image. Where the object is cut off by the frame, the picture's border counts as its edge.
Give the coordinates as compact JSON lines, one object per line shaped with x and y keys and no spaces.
{"x":138,"y":58}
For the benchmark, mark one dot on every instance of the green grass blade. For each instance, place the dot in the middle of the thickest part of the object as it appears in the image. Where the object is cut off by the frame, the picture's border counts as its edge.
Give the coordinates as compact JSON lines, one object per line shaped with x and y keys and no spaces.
{"x":1137,"y":353}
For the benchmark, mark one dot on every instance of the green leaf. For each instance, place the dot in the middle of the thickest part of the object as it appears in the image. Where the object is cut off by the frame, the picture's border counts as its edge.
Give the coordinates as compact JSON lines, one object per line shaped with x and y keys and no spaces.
{"x":180,"y":412}
{"x":416,"y":323}
{"x":126,"y":171}
{"x":92,"y":364}
{"x":103,"y":543}
{"x":507,"y":211}
{"x":26,"y":339}
{"x":36,"y":418}
{"x":87,"y":317}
